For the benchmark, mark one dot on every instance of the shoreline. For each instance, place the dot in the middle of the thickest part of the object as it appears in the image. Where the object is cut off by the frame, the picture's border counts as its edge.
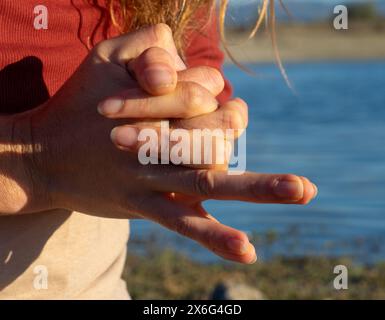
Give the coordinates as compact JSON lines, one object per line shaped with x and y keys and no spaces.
{"x":310,"y":42}
{"x":229,"y":63}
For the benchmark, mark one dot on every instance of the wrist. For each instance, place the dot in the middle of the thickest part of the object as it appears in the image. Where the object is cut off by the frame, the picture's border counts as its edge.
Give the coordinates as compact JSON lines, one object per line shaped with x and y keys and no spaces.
{"x":27,"y":182}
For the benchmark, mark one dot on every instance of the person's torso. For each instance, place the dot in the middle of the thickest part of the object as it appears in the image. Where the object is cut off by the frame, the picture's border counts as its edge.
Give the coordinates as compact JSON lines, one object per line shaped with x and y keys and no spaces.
{"x":41,"y":45}
{"x":56,"y":254}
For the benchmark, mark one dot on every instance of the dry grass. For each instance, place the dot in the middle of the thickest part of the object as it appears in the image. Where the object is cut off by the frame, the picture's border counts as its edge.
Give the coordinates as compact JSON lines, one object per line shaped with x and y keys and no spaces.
{"x":168,"y":275}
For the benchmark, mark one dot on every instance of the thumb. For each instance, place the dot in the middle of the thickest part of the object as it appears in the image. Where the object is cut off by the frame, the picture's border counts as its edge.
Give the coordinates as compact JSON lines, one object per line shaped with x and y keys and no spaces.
{"x":155,"y":70}
{"x":132,"y":50}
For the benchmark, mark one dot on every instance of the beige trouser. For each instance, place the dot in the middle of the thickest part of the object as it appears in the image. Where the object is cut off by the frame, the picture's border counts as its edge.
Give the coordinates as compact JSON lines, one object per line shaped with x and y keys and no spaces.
{"x":62,"y":255}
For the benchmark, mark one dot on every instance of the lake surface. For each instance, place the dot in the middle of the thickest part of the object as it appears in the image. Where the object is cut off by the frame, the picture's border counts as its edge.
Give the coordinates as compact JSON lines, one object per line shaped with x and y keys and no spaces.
{"x":333,"y":132}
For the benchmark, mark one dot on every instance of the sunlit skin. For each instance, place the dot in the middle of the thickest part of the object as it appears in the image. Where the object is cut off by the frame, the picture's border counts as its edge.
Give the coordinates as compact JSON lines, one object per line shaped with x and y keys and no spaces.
{"x":61,"y":154}
{"x":237,"y":187}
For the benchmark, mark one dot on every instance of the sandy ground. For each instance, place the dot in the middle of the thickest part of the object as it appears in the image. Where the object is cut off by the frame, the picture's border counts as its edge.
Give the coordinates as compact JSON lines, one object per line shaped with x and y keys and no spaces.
{"x":312,"y":42}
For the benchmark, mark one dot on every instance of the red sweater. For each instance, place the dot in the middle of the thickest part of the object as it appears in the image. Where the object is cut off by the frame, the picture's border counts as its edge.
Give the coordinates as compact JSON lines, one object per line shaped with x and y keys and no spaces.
{"x":34,"y":64}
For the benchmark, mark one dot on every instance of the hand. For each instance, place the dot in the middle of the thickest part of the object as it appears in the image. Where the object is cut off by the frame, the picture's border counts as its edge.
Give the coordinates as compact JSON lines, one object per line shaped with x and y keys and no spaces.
{"x":183,"y":103}
{"x":76,"y":167}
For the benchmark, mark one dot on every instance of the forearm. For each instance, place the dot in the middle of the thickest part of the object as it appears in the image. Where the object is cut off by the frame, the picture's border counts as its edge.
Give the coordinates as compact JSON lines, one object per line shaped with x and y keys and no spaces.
{"x":21,"y":185}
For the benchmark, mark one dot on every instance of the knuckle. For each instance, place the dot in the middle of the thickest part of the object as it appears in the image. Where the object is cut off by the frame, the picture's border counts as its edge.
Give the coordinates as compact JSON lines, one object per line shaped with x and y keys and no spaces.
{"x":192,"y":99}
{"x":155,"y":55}
{"x":141,"y":105}
{"x":232,"y":119}
{"x":161,"y":32}
{"x":262,"y":188}
{"x":182,"y":226}
{"x":215,"y":77}
{"x":273,"y":181}
{"x":101,"y":50}
{"x":99,"y":47}
{"x":241,"y":102}
{"x":204,"y":183}
{"x":256,"y":190}
{"x":152,"y":53}
{"x":209,"y":240}
{"x":146,"y":56}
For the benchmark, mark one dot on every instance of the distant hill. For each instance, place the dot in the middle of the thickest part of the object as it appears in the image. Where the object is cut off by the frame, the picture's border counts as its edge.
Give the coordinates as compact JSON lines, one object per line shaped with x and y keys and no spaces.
{"x":244,"y":12}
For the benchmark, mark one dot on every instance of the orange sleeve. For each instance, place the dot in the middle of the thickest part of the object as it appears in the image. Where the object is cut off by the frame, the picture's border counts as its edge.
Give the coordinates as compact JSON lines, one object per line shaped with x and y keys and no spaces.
{"x":203,"y":49}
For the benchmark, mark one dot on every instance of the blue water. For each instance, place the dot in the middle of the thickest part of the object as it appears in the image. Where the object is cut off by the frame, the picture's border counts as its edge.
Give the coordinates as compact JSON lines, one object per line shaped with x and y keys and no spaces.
{"x":333,"y":132}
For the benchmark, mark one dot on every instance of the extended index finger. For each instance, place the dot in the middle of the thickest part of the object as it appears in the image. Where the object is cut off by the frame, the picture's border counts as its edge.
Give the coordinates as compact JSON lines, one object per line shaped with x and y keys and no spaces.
{"x":250,"y":187}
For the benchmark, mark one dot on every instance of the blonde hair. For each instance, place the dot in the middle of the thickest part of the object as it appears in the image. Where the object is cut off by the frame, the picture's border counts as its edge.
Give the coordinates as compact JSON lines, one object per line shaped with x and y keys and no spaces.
{"x":181,"y":16}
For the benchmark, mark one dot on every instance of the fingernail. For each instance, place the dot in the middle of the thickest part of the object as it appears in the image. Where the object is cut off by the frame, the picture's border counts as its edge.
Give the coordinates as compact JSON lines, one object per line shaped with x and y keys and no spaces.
{"x":289,"y":189}
{"x":251,"y":248}
{"x":110,"y":106}
{"x":125,"y":136}
{"x":158,"y":78}
{"x":315,"y":190}
{"x":254,"y":260}
{"x":237,"y":246}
